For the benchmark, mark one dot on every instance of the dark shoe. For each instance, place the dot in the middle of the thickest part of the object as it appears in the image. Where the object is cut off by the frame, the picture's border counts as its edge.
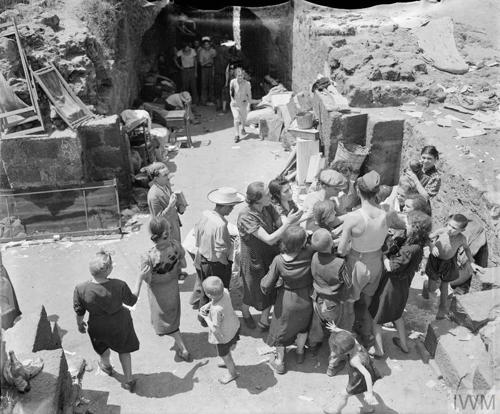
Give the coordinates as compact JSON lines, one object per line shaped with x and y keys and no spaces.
{"x":262,"y":326}
{"x":280,"y":369}
{"x":335,"y":369}
{"x":396,"y":341}
{"x":249,"y":322}
{"x":129,"y":386}
{"x":301,"y":356}
{"x":106,"y":369}
{"x":425,"y":290}
{"x":236,"y":139}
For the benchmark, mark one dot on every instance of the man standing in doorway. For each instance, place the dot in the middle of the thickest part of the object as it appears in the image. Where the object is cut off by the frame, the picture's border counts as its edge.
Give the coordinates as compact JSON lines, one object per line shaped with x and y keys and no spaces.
{"x":206,"y":57}
{"x":188,"y":66}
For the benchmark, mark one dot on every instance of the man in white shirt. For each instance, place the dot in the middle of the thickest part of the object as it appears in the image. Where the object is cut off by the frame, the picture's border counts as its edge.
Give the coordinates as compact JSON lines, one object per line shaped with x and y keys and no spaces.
{"x":188,"y":67}
{"x":213,"y":243}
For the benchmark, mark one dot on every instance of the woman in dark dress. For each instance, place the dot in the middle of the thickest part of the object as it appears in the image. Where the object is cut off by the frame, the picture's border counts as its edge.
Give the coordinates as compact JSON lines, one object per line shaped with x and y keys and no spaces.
{"x":260,"y":228}
{"x":110,"y":325}
{"x":293,"y":308}
{"x":400,"y":265}
{"x":281,"y":196}
{"x":8,"y":300}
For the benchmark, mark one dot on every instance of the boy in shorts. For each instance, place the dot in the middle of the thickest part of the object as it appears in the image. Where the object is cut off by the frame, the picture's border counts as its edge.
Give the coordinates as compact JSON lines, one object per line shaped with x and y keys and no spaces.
{"x":442,"y":265}
{"x":223,"y":324}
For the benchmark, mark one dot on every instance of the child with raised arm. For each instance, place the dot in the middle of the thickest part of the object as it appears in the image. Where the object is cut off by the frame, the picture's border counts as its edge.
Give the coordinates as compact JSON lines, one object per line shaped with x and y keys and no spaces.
{"x":110,"y":325}
{"x":223,"y":324}
{"x":442,"y":265}
{"x":362,"y":373}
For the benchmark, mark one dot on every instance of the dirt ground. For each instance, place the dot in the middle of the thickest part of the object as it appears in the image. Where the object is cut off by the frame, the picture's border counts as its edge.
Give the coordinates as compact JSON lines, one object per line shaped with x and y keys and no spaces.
{"x":46,"y":274}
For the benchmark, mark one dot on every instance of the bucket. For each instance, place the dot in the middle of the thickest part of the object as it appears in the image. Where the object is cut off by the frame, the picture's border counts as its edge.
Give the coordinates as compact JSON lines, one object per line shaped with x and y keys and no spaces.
{"x":304,"y":120}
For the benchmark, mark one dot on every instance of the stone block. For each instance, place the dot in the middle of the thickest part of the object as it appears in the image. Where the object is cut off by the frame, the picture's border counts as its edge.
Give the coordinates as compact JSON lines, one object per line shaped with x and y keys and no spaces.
{"x":490,"y":334}
{"x":474,"y":310}
{"x":489,"y":279}
{"x":463,"y":360}
{"x":106,"y":153}
{"x":385,"y":138}
{"x":435,"y":330}
{"x":50,"y":389}
{"x":54,"y":161}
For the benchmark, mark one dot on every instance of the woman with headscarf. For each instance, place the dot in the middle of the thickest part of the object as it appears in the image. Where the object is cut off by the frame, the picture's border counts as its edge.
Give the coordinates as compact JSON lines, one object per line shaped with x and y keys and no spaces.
{"x":260,"y":228}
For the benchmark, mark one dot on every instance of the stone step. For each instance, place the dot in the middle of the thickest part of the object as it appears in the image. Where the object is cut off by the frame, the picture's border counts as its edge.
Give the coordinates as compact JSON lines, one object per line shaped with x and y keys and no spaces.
{"x":461,"y":356}
{"x":474,"y":310}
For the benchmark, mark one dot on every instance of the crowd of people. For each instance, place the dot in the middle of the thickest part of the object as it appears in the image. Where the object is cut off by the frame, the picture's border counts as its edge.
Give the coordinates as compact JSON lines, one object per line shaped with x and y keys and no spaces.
{"x":339,"y":268}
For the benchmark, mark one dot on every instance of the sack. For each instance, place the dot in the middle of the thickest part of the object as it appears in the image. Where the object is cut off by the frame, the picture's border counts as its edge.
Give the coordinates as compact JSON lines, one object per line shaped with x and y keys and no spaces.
{"x":354,"y":154}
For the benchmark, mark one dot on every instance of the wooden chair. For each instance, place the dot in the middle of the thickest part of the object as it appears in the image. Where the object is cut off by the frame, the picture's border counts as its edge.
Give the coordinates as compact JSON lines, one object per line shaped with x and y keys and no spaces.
{"x":178,"y":119}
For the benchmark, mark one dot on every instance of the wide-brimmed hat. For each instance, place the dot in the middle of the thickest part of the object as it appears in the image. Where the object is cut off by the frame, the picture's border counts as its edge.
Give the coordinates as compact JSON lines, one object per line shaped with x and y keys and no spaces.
{"x":185,"y":96}
{"x":205,"y":39}
{"x":225,"y":195}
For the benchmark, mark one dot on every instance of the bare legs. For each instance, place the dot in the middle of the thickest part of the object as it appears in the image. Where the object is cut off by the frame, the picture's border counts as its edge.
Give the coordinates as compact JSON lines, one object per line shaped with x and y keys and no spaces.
{"x":400,"y":326}
{"x":301,"y":342}
{"x":431,"y":286}
{"x":182,"y":351}
{"x":126,"y":361}
{"x":377,"y":333}
{"x":264,"y":316}
{"x":105,"y":361}
{"x":231,"y":367}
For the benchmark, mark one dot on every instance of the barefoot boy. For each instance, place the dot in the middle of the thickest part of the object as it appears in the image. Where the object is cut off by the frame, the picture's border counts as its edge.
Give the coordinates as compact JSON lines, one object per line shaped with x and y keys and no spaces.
{"x":223,"y":324}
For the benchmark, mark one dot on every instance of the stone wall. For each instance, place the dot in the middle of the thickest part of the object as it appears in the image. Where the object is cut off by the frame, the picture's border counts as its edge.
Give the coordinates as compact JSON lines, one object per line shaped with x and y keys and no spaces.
{"x":49,"y":162}
{"x":106,"y":153}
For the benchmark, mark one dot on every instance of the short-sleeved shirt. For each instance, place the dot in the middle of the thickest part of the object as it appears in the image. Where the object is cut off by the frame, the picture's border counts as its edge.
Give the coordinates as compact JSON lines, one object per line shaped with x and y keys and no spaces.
{"x":99,"y":299}
{"x":212,"y":238}
{"x":448,"y":246}
{"x":206,"y":57}
{"x":187,"y":59}
{"x":225,"y":321}
{"x":431,"y":181}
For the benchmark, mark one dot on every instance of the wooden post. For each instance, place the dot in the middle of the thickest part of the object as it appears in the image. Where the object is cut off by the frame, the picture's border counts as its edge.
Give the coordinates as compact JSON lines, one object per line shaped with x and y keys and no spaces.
{"x":305,"y":148}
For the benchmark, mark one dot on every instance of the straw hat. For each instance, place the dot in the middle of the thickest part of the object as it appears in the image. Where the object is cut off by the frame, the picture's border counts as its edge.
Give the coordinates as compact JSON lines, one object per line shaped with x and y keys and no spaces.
{"x":225,"y":195}
{"x":185,"y":97}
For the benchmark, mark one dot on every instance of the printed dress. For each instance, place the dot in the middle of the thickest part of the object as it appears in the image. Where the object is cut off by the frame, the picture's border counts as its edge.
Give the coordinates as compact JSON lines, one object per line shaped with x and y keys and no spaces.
{"x":163,"y":267}
{"x":256,"y":256}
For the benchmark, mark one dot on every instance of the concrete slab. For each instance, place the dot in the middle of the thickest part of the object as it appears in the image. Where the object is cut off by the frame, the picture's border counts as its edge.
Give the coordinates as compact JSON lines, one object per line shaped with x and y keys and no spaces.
{"x":435,"y":330}
{"x":489,"y":279}
{"x":474,"y":310}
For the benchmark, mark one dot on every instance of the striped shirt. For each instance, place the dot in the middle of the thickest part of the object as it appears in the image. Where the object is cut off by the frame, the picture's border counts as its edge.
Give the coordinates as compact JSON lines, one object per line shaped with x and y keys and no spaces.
{"x":431,"y":181}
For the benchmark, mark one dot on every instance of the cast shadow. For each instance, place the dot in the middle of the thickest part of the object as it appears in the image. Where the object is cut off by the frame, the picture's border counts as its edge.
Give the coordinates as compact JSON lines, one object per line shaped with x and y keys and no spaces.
{"x":251,"y":136}
{"x":198,"y":346}
{"x":165,"y":384}
{"x":255,"y":378}
{"x":55,"y":318}
{"x":187,"y":285}
{"x":382,"y":406}
{"x":97,"y":400}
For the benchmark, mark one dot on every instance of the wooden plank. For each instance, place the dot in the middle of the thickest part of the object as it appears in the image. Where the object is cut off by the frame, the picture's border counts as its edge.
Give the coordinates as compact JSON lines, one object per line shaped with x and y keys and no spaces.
{"x":291,"y":176}
{"x":313,"y":169}
{"x":17,"y":112}
{"x":24,"y":132}
{"x":290,"y":161}
{"x":305,"y":149}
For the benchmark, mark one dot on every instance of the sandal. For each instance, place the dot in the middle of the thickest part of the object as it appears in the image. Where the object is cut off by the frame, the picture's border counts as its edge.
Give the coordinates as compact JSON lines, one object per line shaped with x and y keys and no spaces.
{"x":106,"y":369}
{"x":228,"y":379}
{"x":278,"y":368}
{"x":130,"y":385}
{"x":396,"y":341}
{"x":184,"y":355}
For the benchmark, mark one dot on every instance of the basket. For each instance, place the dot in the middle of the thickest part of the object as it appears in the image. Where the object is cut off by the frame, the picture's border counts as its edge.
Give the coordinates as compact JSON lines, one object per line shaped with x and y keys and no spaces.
{"x":304,"y":120}
{"x":352,"y":153}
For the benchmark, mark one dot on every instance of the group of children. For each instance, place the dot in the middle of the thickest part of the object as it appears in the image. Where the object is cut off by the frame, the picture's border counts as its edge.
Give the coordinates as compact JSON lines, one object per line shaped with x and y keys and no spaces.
{"x":312,"y":290}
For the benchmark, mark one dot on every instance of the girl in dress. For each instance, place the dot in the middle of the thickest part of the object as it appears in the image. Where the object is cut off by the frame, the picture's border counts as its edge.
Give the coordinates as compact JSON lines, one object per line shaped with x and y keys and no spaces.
{"x":362,"y":373}
{"x":390,"y":299}
{"x":291,"y":270}
{"x":110,"y":325}
{"x":160,"y":270}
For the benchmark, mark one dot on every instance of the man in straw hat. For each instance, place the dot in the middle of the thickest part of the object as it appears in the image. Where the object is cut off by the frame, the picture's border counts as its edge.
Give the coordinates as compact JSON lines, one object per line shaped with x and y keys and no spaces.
{"x":213,"y":242}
